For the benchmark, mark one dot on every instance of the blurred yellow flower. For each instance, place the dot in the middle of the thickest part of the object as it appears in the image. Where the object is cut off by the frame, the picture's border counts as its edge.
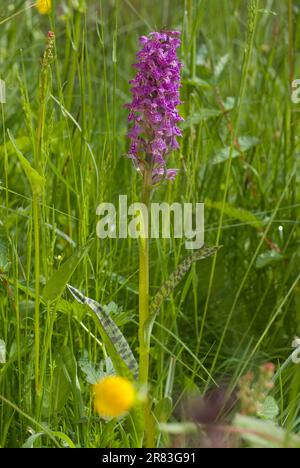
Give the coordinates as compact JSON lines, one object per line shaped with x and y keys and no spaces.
{"x":113,"y":396}
{"x":43,"y":6}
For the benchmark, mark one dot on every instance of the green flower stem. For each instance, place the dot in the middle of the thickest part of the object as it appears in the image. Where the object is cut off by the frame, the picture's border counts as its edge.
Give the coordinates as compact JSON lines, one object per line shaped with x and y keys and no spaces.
{"x":144,"y":335}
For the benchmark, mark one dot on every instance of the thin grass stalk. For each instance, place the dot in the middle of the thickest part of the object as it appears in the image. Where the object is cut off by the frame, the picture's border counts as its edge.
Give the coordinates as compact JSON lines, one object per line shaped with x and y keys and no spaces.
{"x":5,"y":156}
{"x":36,"y":211}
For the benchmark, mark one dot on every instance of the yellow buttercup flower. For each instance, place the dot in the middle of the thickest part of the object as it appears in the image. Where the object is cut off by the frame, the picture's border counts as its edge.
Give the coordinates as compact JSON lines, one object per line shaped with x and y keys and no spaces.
{"x":43,"y":6}
{"x":113,"y":396}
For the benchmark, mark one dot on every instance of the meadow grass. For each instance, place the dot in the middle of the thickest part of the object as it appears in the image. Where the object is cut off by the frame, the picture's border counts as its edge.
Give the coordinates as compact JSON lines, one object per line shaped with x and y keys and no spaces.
{"x":239,"y":155}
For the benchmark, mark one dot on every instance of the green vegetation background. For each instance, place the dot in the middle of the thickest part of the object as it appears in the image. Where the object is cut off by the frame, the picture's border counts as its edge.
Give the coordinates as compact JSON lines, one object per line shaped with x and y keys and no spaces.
{"x":239,"y":155}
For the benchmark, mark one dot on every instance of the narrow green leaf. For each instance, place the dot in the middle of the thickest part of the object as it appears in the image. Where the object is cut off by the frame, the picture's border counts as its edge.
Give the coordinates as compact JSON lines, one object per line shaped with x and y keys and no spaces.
{"x":29,"y":443}
{"x":265,"y":11}
{"x":57,"y":389}
{"x":197,"y":82}
{"x":57,"y":283}
{"x":35,"y":179}
{"x":235,"y":213}
{"x":23,"y":143}
{"x":67,"y":442}
{"x":69,"y":366}
{"x":64,"y":382}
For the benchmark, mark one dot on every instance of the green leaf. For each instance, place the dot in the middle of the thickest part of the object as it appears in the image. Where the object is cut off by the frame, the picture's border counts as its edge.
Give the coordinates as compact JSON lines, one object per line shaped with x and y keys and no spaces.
{"x":63,"y":382}
{"x":206,"y":114}
{"x":163,"y":409}
{"x":117,"y":347}
{"x":29,"y":443}
{"x":57,"y":389}
{"x":67,"y":442}
{"x":246,"y":143}
{"x":59,"y":435}
{"x":197,"y":82}
{"x":23,"y":143}
{"x":235,"y":213}
{"x":270,"y":409}
{"x":57,"y":283}
{"x":35,"y":179}
{"x":201,"y":116}
{"x":268,"y":258}
{"x":91,"y":373}
{"x":70,"y":369}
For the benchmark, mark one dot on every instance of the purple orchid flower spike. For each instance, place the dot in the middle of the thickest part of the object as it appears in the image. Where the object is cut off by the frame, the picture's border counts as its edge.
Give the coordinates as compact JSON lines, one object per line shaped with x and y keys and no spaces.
{"x":153,"y":111}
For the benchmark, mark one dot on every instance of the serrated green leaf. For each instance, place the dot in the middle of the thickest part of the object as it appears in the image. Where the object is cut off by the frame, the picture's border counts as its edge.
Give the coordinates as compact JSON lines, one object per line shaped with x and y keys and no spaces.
{"x":270,"y":409}
{"x":92,"y":374}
